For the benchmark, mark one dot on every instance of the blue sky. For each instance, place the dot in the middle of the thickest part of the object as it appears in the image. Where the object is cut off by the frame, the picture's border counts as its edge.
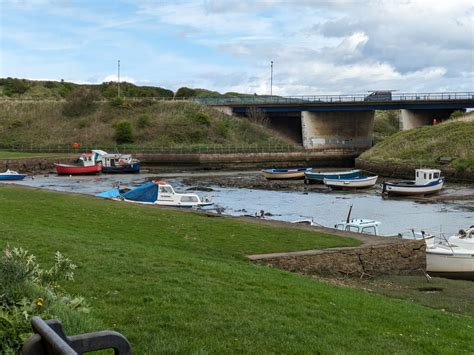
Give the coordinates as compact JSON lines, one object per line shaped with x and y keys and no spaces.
{"x":318,"y":47}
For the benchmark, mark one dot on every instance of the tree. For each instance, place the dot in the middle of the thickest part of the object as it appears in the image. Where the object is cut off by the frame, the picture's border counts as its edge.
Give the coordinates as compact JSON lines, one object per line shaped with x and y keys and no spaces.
{"x":123,"y":132}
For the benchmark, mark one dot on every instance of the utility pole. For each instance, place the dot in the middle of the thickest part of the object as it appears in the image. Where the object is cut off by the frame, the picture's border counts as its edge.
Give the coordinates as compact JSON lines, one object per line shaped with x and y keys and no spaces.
{"x":118,"y":76}
{"x":271,"y":79}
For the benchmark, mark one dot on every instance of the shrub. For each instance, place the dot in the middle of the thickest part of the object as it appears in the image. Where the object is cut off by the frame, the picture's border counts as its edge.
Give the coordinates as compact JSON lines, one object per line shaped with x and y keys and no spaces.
{"x":117,"y":102}
{"x":123,"y":132}
{"x":15,"y":86}
{"x":83,"y":123}
{"x":26,"y":290}
{"x":80,"y":101}
{"x":144,"y":121}
{"x":456,"y":114}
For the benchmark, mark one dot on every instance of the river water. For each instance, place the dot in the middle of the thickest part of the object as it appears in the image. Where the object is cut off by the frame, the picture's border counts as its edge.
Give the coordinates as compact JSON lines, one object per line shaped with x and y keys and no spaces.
{"x":396,"y":215}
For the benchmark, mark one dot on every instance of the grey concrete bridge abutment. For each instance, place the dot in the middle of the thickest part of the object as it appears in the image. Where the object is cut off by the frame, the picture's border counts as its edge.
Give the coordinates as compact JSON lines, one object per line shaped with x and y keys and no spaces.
{"x":337,"y":129}
{"x":410,"y":119}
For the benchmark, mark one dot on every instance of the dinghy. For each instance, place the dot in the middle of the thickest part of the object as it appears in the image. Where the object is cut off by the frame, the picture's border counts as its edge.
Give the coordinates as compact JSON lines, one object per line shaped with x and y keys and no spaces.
{"x":360,"y":182}
{"x":318,"y":177}
{"x":285,"y":174}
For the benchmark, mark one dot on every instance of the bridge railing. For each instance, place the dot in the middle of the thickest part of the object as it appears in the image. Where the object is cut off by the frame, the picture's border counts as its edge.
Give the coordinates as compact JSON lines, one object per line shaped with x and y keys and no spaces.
{"x":268,"y":100}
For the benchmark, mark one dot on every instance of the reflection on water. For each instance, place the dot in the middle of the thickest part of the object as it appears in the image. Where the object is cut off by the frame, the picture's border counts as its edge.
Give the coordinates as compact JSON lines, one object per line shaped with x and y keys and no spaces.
{"x":396,"y":215}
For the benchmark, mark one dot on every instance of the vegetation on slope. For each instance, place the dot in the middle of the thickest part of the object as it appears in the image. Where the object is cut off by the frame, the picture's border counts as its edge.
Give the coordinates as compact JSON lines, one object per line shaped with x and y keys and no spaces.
{"x":425,"y":145}
{"x":177,"y":282}
{"x":153,"y":123}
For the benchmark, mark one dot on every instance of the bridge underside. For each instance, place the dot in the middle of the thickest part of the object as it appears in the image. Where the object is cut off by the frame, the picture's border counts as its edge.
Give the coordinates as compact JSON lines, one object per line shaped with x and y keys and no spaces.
{"x":347,"y":126}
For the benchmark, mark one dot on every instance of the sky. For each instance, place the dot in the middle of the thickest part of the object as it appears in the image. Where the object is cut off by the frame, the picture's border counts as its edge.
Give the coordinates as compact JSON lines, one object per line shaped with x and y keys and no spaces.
{"x":317,"y":46}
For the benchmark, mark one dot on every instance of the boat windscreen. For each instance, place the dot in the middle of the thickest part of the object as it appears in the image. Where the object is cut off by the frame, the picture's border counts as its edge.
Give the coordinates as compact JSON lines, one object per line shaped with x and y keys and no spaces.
{"x":145,"y":193}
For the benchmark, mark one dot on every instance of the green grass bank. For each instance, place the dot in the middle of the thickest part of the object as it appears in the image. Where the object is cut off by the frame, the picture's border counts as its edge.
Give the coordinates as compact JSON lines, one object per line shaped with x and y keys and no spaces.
{"x":37,"y":124}
{"x":426,"y":145}
{"x":179,"y":282}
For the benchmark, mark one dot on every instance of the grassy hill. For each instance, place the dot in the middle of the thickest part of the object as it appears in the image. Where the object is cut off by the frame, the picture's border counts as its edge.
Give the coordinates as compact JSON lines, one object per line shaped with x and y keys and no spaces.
{"x":179,"y":282}
{"x":425,"y":145}
{"x":153,"y":123}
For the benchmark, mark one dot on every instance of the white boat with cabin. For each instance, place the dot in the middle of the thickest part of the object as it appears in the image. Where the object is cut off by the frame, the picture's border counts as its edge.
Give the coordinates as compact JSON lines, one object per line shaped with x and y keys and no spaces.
{"x":427,"y":181}
{"x":157,"y":193}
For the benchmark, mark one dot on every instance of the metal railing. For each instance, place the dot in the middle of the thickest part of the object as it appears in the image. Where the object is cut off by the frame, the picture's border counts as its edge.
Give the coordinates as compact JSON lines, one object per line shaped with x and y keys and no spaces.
{"x":197,"y":149}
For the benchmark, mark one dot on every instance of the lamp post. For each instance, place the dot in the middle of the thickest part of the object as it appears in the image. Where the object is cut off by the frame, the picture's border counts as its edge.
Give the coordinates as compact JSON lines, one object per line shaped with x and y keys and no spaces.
{"x":271,"y":79}
{"x":118,"y":76}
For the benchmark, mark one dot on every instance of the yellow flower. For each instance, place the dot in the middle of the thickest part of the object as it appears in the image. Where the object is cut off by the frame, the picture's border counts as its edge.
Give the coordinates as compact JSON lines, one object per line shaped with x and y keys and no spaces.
{"x":39,"y":302}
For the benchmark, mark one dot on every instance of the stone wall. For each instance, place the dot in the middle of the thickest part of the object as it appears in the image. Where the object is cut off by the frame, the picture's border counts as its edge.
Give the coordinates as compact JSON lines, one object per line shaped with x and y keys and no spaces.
{"x":407,"y":257}
{"x":34,"y":165}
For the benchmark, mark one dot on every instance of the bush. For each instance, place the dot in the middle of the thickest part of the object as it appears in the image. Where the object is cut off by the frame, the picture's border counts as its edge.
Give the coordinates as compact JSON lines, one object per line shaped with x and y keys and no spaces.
{"x":26,"y":290}
{"x":117,"y":102}
{"x":123,"y":132}
{"x":14,"y":86}
{"x":457,"y":114}
{"x":80,"y":102}
{"x":144,"y":121}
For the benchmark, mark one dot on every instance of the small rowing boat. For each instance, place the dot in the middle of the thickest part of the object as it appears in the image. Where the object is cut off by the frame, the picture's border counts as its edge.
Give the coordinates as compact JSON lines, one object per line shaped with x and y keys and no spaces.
{"x":318,"y":177}
{"x":360,"y":182}
{"x":285,"y":174}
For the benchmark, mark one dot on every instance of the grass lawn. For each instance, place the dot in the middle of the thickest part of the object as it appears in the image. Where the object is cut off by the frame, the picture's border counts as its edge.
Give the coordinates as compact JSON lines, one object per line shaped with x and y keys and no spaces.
{"x":14,"y":155}
{"x":178,"y":282}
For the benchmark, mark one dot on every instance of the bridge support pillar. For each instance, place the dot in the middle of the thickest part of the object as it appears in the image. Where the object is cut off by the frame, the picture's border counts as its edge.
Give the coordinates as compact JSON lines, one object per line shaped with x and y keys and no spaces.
{"x":225,"y":110}
{"x":337,"y":129}
{"x":416,"y":118}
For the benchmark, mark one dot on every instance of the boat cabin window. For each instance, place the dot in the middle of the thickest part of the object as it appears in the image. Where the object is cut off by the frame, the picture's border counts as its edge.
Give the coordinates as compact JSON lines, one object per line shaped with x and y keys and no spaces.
{"x":340,"y":227}
{"x":166,"y":189}
{"x":430,"y":176}
{"x":424,"y":175}
{"x":436,"y":175}
{"x":352,"y":229}
{"x":417,"y":174}
{"x":189,"y":199}
{"x":369,"y":230}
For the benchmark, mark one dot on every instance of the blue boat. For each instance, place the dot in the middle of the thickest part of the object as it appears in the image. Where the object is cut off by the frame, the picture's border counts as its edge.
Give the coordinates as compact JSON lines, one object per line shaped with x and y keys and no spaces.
{"x":318,"y":177}
{"x":285,"y":174}
{"x":12,"y":175}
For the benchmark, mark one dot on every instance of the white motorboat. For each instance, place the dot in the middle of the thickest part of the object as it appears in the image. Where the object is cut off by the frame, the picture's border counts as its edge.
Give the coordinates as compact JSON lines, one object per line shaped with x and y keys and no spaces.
{"x":427,"y":181}
{"x":157,"y":193}
{"x":454,"y":257}
{"x":359,"y":182}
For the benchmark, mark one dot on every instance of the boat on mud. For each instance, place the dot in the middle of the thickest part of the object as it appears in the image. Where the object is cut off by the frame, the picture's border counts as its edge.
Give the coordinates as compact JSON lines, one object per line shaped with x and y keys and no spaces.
{"x":318,"y":177}
{"x":452,"y":257}
{"x":86,"y":164}
{"x":427,"y":181}
{"x":358,"y":182}
{"x":116,"y":162}
{"x":12,"y":175}
{"x":157,"y":193}
{"x":285,"y":174}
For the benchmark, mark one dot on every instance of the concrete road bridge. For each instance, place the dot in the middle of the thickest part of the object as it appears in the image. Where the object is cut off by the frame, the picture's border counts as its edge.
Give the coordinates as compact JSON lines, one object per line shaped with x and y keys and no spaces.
{"x":343,"y":121}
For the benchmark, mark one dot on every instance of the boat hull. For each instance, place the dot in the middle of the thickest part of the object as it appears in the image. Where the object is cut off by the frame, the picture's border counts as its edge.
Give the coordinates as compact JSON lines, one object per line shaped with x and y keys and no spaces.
{"x":285,"y":174}
{"x":313,"y":177}
{"x":363,"y":183}
{"x":12,"y":177}
{"x":407,"y":189}
{"x":124,"y":169}
{"x":450,"y":265}
{"x":65,"y":169}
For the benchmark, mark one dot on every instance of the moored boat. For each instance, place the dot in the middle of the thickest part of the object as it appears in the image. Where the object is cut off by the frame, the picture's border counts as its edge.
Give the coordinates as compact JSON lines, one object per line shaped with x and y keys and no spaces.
{"x":157,"y":193}
{"x":360,"y":182}
{"x":285,"y":174}
{"x":117,"y":163}
{"x":86,"y":165}
{"x":318,"y":177}
{"x":12,"y":175}
{"x":427,"y":181}
{"x":454,"y":257}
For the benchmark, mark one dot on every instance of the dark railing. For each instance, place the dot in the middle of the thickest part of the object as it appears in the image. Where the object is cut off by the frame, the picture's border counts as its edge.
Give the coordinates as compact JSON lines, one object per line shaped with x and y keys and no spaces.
{"x":200,"y":149}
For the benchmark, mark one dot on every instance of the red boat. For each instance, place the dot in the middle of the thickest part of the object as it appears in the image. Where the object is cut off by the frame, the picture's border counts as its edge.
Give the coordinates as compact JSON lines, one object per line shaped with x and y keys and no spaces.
{"x":65,"y":169}
{"x":86,"y":165}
